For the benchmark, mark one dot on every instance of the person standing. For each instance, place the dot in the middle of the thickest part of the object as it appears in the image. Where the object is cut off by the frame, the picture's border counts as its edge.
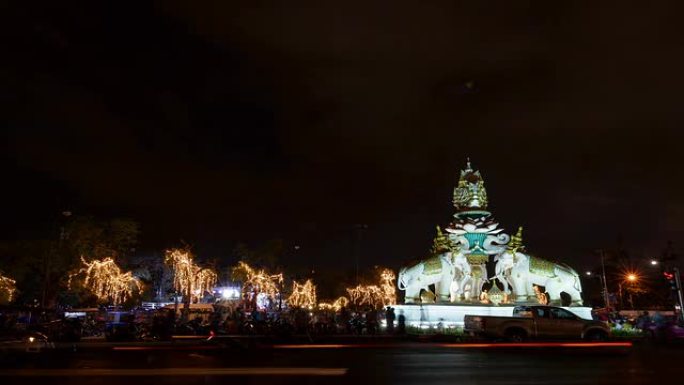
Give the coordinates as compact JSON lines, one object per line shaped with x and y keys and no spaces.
{"x":401,"y":323}
{"x":389,"y":317}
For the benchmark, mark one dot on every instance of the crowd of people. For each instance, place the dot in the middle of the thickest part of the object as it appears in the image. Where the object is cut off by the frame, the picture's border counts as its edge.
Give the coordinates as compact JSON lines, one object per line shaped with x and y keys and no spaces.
{"x":162,"y":323}
{"x":637,"y":323}
{"x":305,"y":321}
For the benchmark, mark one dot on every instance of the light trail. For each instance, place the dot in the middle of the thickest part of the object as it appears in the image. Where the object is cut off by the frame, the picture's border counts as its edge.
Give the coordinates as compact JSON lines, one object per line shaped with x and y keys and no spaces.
{"x":503,"y":345}
{"x":255,"y":371}
{"x":464,"y":345}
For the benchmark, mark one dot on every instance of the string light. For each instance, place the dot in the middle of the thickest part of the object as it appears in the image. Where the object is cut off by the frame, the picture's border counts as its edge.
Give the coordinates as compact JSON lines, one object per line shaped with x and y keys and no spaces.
{"x":106,"y":281}
{"x":7,"y":287}
{"x":303,"y":295}
{"x":189,"y":278}
{"x":374,"y":295}
{"x":258,"y":282}
{"x":388,"y":287}
{"x":336,"y":306}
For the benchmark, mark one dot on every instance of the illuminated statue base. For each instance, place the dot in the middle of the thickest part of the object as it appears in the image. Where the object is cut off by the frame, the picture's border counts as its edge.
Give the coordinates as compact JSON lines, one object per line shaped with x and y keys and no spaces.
{"x":449,"y":316}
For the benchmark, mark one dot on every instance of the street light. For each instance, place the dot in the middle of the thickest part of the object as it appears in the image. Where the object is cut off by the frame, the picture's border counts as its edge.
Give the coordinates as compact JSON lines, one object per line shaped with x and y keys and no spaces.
{"x":654,"y":262}
{"x":629,"y":278}
{"x":588,"y":273}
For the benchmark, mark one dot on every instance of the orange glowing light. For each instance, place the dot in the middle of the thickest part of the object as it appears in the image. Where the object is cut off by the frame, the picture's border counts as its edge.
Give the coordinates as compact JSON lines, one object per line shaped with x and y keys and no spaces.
{"x":375,"y":295}
{"x":258,"y":282}
{"x":303,"y":295}
{"x":106,"y":281}
{"x":7,"y":288}
{"x":188,"y":277}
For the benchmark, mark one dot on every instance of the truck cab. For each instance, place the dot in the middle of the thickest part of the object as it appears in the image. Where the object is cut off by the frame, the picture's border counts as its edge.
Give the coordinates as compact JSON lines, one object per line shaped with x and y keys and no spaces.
{"x":543,"y":322}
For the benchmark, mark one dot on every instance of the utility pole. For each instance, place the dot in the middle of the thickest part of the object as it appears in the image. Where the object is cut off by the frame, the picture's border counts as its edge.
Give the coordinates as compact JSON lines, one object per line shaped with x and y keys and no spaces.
{"x":357,"y":249}
{"x":678,"y":281}
{"x":605,"y":285}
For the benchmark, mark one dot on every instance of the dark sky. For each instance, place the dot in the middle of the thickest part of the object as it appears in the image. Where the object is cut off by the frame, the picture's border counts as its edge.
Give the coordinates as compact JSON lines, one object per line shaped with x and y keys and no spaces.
{"x":226,"y":121}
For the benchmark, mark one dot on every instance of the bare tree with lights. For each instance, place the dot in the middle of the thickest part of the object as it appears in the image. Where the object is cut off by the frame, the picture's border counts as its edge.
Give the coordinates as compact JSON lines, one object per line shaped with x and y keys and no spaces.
{"x":303,"y":295}
{"x":7,"y":288}
{"x":376,"y":296}
{"x":105,"y":279}
{"x":257,"y":282}
{"x":188,"y":278}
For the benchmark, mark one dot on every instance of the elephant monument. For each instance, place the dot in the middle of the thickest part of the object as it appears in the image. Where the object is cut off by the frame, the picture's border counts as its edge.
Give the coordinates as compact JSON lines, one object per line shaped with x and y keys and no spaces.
{"x":445,"y":271}
{"x":523,"y":272}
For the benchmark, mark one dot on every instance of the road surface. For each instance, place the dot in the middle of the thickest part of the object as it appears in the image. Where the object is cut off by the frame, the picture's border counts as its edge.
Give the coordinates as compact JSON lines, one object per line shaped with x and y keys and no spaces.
{"x":380,"y":363}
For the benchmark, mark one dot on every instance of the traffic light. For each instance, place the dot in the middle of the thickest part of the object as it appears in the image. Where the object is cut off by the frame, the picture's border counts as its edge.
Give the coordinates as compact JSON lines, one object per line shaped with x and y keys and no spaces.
{"x":671,"y":280}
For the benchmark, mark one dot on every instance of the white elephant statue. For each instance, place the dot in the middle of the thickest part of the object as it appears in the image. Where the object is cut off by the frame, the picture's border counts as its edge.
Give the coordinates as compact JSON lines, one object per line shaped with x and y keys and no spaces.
{"x":462,"y":275}
{"x":472,"y":285}
{"x":528,"y":271}
{"x":502,"y":269}
{"x":437,"y":270}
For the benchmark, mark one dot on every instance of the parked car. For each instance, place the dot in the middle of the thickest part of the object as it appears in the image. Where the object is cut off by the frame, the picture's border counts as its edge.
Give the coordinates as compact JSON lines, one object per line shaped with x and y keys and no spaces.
{"x":545,"y":322}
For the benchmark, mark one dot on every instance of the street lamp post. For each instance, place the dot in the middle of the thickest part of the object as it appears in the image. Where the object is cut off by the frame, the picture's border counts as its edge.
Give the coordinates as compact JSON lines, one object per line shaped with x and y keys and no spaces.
{"x":630,"y":278}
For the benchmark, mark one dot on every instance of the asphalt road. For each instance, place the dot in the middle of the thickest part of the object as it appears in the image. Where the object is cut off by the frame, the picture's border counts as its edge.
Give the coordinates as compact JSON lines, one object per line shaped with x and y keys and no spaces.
{"x":380,"y":363}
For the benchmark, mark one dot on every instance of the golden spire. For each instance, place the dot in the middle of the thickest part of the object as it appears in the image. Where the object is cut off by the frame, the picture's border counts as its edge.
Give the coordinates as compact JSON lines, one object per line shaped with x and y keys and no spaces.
{"x":470,"y":192}
{"x":441,"y":243}
{"x":516,"y":242}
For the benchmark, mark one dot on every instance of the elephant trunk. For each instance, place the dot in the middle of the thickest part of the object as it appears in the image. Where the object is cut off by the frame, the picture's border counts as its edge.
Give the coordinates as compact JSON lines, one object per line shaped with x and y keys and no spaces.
{"x":400,"y":279}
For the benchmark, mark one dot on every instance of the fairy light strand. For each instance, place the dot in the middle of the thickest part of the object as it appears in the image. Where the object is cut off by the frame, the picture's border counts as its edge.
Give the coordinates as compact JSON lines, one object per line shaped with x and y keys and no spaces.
{"x":188,"y":277}
{"x":105,"y":279}
{"x":7,"y":287}
{"x":303,"y":295}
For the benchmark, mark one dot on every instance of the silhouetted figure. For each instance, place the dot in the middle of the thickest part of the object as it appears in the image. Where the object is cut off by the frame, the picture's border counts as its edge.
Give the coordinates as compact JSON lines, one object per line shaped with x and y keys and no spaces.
{"x":401,"y":324}
{"x":372,"y":321}
{"x":389,"y":317}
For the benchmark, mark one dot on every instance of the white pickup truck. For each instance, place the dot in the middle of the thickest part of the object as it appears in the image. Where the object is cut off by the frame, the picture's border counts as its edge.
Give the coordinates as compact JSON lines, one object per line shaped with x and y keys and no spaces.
{"x":544,"y":322}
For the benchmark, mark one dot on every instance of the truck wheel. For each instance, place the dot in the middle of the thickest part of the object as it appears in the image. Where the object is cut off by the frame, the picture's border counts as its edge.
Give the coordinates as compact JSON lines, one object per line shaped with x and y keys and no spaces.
{"x":596,"y":335}
{"x":515,"y":335}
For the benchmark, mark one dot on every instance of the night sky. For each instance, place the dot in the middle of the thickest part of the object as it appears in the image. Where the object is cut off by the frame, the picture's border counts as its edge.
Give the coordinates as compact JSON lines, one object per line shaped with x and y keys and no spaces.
{"x":243,"y":121}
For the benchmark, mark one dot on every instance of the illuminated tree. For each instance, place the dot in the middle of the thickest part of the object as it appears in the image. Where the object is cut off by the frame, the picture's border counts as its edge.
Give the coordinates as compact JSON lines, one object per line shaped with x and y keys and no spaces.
{"x":188,"y":278}
{"x":375,"y":296}
{"x":336,"y":306}
{"x":303,"y":295}
{"x":106,"y":281}
{"x":389,"y":292}
{"x":7,"y":289}
{"x":257,"y":282}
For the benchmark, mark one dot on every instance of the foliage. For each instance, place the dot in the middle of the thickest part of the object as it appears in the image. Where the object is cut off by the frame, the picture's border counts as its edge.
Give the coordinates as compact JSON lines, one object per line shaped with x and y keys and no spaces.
{"x":155,"y":274}
{"x":24,"y":261}
{"x":626,"y":331}
{"x":85,"y":236}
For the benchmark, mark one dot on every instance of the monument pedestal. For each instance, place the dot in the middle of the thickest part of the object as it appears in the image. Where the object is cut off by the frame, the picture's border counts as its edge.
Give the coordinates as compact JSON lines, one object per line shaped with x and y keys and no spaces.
{"x":431,"y":315}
